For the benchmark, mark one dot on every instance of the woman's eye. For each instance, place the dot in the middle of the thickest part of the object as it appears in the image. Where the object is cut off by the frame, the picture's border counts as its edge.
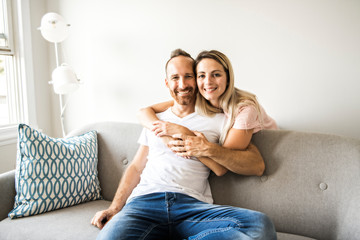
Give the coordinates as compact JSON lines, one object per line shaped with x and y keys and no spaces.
{"x":201,"y":76}
{"x":217,"y":75}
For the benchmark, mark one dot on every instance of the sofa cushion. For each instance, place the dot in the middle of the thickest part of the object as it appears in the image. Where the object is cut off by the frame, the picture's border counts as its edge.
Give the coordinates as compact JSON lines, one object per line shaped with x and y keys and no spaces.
{"x":288,"y":236}
{"x":68,"y":223}
{"x":54,"y":173}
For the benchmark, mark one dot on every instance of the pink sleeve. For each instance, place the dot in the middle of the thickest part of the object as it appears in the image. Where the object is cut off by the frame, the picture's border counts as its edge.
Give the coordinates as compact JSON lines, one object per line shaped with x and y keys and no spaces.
{"x":247,"y":118}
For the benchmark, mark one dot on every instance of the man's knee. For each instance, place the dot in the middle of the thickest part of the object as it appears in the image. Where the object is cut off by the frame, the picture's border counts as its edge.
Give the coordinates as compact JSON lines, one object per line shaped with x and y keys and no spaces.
{"x":105,"y":235}
{"x":113,"y":229}
{"x":266,"y":229}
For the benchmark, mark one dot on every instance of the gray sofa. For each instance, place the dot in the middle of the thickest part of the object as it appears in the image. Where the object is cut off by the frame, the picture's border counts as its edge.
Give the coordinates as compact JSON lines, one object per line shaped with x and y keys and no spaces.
{"x":310,"y":189}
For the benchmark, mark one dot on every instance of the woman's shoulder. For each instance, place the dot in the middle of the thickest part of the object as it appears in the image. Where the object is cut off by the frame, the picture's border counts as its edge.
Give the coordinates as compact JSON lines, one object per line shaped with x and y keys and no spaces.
{"x":247,"y":110}
{"x":248,"y":116}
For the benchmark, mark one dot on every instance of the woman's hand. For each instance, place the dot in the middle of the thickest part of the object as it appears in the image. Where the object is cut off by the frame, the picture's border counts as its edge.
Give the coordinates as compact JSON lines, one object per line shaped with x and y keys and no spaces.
{"x":190,"y":146}
{"x":162,"y":128}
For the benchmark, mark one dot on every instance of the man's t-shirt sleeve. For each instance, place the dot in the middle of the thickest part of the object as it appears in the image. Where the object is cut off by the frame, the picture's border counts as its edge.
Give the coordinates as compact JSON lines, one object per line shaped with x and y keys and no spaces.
{"x":143,"y":139}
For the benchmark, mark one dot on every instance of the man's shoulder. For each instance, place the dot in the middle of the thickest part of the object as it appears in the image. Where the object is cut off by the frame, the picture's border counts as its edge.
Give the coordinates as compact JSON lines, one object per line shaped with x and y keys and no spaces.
{"x":165,"y":113}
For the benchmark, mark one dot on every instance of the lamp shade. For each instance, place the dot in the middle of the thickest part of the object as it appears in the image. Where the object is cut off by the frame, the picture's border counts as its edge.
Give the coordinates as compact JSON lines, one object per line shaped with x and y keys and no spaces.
{"x":64,"y":79}
{"x":54,"y":28}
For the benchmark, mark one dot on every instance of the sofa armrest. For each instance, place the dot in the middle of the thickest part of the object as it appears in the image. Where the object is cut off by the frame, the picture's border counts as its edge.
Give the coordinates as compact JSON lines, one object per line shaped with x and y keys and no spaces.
{"x":7,"y":193}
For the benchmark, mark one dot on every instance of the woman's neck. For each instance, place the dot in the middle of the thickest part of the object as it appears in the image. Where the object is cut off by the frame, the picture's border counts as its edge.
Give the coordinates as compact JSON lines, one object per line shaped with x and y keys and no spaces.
{"x":215,"y":103}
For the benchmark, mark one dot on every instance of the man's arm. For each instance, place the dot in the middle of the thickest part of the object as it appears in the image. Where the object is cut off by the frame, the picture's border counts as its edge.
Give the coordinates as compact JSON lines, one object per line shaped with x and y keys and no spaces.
{"x":128,"y":182}
{"x":246,"y":162}
{"x":249,"y":161}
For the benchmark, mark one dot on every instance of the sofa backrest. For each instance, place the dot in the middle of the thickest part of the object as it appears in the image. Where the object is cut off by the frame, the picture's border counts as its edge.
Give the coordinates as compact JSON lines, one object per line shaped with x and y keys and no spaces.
{"x":117,"y":145}
{"x":311,"y":185}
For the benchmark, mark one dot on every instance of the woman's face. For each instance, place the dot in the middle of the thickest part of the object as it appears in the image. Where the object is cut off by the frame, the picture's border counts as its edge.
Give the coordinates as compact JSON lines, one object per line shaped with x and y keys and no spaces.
{"x":211,"y":80}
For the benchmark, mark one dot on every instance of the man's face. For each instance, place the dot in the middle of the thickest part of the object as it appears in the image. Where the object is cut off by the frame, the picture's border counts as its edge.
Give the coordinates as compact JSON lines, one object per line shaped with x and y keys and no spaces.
{"x":180,"y":80}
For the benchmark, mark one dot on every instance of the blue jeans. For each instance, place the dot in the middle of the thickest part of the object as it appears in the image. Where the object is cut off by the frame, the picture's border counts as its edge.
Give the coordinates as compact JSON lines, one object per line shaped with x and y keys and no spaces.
{"x":177,"y":216}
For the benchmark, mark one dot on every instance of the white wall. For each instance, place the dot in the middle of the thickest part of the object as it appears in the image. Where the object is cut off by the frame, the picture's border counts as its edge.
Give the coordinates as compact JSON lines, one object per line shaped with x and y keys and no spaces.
{"x":41,"y":71}
{"x":302,"y":58}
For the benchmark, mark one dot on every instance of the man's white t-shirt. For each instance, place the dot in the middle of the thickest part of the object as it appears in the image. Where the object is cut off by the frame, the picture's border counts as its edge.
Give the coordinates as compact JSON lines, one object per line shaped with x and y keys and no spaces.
{"x":167,"y":172}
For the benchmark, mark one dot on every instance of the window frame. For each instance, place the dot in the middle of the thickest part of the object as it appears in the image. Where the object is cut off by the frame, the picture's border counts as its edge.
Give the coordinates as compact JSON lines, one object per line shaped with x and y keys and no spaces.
{"x":22,"y":88}
{"x":8,"y":31}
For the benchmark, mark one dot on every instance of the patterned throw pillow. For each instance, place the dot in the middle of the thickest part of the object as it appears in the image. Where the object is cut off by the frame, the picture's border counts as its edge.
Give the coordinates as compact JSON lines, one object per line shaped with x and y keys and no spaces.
{"x":53,"y":173}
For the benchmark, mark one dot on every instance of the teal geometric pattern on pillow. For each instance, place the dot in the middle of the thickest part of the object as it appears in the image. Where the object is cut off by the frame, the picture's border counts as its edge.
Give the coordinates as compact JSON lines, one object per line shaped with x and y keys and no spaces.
{"x":53,"y":173}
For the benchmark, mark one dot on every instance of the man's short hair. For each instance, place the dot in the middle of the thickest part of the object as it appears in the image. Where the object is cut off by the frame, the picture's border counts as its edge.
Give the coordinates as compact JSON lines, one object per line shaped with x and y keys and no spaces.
{"x":176,"y":53}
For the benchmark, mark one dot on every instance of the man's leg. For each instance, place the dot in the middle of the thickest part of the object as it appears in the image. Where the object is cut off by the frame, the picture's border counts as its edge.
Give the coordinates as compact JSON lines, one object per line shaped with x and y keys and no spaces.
{"x":199,"y":220}
{"x":143,"y":217}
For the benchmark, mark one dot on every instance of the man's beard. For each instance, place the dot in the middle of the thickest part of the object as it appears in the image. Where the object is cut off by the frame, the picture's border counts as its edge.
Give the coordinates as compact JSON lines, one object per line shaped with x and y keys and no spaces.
{"x":184,"y":100}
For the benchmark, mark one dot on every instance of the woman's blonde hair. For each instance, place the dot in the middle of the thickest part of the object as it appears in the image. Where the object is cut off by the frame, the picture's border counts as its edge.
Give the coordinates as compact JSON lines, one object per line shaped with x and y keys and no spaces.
{"x":231,"y":100}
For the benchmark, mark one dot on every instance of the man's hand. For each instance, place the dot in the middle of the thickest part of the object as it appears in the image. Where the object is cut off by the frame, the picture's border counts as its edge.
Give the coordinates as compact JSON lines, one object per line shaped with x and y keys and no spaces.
{"x":102,"y":217}
{"x":190,"y":146}
{"x":196,"y":146}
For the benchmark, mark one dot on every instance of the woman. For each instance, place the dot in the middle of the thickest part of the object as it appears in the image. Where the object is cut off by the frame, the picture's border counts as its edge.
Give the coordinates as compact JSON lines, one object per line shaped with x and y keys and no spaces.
{"x":217,"y":93}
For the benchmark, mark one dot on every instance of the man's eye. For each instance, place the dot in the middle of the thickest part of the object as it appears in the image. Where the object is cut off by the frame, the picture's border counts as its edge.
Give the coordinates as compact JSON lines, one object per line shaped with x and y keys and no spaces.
{"x":189,"y":76}
{"x":174,"y":78}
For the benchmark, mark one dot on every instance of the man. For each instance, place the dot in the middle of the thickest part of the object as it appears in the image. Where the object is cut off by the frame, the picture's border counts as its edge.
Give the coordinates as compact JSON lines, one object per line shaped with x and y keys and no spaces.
{"x":168,"y":197}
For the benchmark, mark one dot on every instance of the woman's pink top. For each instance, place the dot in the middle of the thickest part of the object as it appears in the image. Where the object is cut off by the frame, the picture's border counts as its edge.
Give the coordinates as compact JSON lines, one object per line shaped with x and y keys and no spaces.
{"x":248,"y":118}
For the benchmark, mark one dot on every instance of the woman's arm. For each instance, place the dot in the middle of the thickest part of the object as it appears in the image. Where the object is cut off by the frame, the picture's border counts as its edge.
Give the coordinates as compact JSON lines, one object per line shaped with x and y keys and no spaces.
{"x":147,"y":116}
{"x":238,"y":139}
